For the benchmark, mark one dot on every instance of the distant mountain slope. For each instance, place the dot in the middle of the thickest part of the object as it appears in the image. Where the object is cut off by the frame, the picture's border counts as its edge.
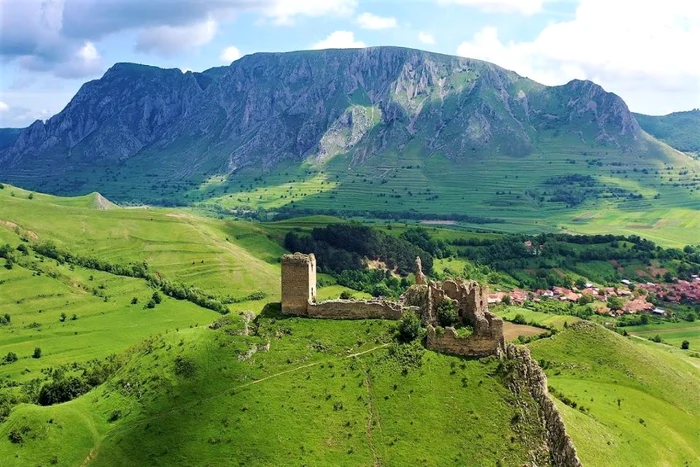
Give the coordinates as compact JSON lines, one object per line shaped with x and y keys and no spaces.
{"x":680,"y":130}
{"x":386,"y":130}
{"x":8,"y":136}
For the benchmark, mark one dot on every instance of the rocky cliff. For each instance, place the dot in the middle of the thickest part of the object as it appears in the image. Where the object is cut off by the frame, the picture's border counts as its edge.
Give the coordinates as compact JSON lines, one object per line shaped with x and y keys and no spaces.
{"x":269,"y":107}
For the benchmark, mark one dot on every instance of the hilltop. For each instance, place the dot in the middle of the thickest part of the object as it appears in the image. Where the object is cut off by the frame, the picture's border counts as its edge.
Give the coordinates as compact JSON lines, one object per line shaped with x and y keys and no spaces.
{"x":383,"y":132}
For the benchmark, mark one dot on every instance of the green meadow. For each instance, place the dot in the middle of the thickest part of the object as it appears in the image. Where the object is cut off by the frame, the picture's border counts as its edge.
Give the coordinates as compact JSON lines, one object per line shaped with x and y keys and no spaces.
{"x":671,"y":333}
{"x":629,"y":403}
{"x":324,"y":392}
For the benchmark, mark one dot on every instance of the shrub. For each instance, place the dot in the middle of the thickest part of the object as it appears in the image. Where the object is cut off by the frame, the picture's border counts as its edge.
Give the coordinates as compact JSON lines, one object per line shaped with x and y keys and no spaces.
{"x":409,"y":326}
{"x":184,"y":367}
{"x":446,"y":313}
{"x":345,"y":295}
{"x":685,"y":345}
{"x":519,"y":319}
{"x":62,"y":390}
{"x":62,"y":318}
{"x":134,"y":300}
{"x":656,"y":338}
{"x":11,"y":357}
{"x":37,"y":352}
{"x":151,"y":304}
{"x":157,"y":298}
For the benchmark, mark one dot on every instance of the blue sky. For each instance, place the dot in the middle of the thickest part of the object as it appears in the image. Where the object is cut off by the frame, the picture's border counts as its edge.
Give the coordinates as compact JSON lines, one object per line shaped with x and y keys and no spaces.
{"x":641,"y":50}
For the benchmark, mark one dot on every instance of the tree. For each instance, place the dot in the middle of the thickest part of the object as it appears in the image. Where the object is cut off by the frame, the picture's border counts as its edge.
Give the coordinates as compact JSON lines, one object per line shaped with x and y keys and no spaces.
{"x":157,"y":298}
{"x":409,"y":326}
{"x":446,"y":313}
{"x":31,"y":196}
{"x":644,"y":319}
{"x":37,"y":352}
{"x":506,"y":300}
{"x":519,"y":319}
{"x":615,"y":303}
{"x":691,"y":317}
{"x":345,"y":295}
{"x":685,"y":345}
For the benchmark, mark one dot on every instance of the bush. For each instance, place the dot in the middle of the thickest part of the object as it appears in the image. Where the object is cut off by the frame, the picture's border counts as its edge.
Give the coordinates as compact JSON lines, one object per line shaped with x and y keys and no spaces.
{"x":11,"y":357}
{"x":37,"y":352}
{"x":345,"y":295}
{"x":157,"y":298}
{"x":519,"y":319}
{"x":685,"y":345}
{"x":62,"y":318}
{"x":409,"y":327}
{"x":151,"y":304}
{"x":184,"y":367}
{"x":446,"y":313}
{"x":62,"y":390}
{"x":134,"y":301}
{"x":656,"y":338}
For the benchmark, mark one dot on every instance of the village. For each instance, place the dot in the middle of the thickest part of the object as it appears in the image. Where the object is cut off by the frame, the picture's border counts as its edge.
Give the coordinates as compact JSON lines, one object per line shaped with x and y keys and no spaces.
{"x":627,"y":298}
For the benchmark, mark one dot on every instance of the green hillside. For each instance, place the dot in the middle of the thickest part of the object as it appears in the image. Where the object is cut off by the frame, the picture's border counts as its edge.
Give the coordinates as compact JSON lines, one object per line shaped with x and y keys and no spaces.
{"x":680,"y":130}
{"x":625,"y":401}
{"x":326,"y":392}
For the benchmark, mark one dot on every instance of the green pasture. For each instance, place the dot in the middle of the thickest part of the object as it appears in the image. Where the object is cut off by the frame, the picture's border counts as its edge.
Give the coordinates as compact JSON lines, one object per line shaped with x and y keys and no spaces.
{"x":671,"y":333}
{"x":640,"y":404}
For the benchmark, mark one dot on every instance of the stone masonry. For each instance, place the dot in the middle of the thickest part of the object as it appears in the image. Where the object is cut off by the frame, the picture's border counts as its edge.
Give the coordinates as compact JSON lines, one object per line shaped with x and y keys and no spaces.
{"x":298,"y":283}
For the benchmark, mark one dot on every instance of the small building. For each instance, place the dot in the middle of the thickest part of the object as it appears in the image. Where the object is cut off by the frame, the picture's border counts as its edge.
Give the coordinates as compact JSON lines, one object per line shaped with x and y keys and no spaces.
{"x":659,"y":311}
{"x":626,"y":282}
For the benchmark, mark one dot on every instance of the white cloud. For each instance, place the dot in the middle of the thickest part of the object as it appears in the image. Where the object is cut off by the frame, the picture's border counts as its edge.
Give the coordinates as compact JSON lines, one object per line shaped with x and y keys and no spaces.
{"x":230,"y":54}
{"x":524,"y":7}
{"x":370,"y":21}
{"x":339,"y":40}
{"x":4,"y":107}
{"x":641,"y":53}
{"x":170,"y":40}
{"x":284,"y":11}
{"x":426,"y":38}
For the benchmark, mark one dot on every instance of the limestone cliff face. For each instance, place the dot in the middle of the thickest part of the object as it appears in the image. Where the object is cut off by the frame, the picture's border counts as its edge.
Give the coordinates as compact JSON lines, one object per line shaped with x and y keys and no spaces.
{"x":269,"y":107}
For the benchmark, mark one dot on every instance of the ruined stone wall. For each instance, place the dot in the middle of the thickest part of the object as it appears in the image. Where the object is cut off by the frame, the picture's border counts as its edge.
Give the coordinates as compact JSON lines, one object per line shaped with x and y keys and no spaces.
{"x":530,"y":377}
{"x":298,"y":283}
{"x":469,"y":346}
{"x":355,"y":309}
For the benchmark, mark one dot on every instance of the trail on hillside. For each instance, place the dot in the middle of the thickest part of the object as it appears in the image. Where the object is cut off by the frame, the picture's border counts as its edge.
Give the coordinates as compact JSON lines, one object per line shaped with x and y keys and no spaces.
{"x":128,"y":426}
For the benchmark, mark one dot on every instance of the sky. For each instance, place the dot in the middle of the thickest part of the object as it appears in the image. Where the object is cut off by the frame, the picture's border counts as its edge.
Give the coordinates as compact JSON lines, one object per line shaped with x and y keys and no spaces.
{"x":643,"y":50}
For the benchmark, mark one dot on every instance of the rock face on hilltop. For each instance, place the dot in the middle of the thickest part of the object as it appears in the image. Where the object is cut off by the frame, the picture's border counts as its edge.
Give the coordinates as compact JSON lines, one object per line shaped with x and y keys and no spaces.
{"x":269,"y":107}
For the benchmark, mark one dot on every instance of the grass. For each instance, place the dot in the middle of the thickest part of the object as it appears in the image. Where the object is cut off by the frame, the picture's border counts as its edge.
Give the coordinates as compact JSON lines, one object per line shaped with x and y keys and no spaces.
{"x":544,"y":319}
{"x":671,"y":333}
{"x":640,"y":401}
{"x":327,"y":392}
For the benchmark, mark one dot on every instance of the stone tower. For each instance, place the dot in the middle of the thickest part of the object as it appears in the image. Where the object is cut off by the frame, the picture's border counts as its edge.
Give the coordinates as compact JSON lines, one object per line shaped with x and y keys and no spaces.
{"x":298,"y":283}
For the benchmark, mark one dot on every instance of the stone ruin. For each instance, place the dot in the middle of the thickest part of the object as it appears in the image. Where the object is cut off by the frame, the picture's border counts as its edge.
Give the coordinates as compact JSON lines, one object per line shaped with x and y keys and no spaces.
{"x":470,"y":298}
{"x":471,"y":303}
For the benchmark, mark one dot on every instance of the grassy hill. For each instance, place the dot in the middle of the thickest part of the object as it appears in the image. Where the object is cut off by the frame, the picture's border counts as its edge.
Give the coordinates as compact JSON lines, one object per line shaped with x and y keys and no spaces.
{"x":625,"y":401}
{"x":326,"y":392}
{"x":680,"y":130}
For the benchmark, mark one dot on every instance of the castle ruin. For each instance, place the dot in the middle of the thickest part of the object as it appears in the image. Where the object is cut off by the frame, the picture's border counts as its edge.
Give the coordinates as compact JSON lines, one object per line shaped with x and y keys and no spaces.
{"x":470,"y":298}
{"x":471,"y":303}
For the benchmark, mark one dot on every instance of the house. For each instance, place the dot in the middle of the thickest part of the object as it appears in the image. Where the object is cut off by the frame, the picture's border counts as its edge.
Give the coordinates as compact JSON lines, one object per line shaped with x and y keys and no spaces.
{"x":659,"y":311}
{"x":637,"y":305}
{"x":626,"y":282}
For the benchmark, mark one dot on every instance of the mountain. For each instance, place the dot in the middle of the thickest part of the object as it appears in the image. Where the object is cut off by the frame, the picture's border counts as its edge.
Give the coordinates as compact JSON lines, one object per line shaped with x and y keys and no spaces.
{"x":680,"y":130}
{"x":8,"y":136}
{"x":380,"y":130}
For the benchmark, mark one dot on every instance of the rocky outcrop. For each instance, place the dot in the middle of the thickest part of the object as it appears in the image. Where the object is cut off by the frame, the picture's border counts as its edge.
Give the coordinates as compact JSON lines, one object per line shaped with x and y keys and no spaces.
{"x":528,"y":376}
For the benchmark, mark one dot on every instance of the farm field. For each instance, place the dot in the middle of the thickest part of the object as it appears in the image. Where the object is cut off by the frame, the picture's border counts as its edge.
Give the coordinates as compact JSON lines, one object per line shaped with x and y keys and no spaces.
{"x":545,"y":319}
{"x":671,"y":333}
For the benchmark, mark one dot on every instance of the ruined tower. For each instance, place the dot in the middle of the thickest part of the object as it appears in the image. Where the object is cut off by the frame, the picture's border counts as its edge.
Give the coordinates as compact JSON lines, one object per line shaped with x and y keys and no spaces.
{"x":298,"y":283}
